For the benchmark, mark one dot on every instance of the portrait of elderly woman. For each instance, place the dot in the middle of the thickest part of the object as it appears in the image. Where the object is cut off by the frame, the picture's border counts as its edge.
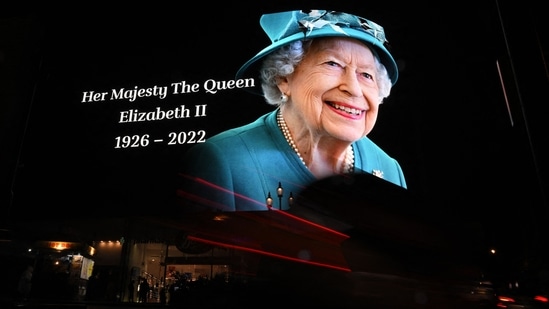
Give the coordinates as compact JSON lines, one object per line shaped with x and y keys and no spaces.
{"x":326,"y":74}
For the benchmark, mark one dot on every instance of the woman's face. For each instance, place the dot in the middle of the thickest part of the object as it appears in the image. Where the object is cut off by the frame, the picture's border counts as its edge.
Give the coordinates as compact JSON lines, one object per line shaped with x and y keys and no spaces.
{"x":333,"y":89}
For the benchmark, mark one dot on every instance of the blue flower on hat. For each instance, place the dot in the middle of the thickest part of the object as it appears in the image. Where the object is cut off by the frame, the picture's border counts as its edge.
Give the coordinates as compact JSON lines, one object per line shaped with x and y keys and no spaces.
{"x":317,"y":19}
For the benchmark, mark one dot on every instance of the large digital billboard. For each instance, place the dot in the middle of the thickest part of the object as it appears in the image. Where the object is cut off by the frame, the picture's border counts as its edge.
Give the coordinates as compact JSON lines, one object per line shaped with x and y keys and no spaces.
{"x":122,"y":96}
{"x":117,"y":104}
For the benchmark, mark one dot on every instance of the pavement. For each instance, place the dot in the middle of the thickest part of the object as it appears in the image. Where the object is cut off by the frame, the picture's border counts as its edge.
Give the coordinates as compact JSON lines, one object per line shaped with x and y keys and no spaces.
{"x":45,"y":304}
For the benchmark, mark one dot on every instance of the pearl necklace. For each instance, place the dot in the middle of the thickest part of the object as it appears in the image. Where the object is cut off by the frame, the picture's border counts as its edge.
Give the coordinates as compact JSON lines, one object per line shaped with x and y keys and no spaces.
{"x":347,"y":167}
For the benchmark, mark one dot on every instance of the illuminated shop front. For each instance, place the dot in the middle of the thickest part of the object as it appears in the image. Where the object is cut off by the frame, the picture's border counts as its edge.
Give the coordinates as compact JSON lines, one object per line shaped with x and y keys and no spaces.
{"x":61,"y":269}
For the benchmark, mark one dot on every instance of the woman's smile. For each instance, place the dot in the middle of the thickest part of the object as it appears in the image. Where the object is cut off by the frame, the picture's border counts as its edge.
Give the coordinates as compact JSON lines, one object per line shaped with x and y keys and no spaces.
{"x":346,"y":111}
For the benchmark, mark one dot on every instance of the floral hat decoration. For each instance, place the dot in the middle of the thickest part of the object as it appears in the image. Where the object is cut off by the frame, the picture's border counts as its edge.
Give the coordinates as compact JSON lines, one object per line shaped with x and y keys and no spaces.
{"x":285,"y":27}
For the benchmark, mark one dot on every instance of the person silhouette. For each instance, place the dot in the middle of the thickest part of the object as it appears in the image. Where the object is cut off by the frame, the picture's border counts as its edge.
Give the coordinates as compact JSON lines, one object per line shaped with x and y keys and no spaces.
{"x":143,"y":290}
{"x":131,"y":290}
{"x":24,"y":285}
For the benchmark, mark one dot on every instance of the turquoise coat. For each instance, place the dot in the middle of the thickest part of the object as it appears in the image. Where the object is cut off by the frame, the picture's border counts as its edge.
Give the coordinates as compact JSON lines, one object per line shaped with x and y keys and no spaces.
{"x":239,"y":168}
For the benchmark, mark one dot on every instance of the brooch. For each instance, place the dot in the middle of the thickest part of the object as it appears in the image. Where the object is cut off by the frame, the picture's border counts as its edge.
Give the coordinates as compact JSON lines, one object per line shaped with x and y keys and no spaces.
{"x":378,"y":173}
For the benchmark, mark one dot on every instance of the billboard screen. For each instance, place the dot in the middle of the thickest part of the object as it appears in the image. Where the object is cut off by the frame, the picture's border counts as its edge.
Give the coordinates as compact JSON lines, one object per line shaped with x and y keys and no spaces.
{"x":119,"y":100}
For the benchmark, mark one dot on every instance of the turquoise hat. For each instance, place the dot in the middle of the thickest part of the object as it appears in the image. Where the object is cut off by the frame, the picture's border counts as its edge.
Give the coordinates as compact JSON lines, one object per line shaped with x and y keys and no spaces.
{"x":286,"y":27}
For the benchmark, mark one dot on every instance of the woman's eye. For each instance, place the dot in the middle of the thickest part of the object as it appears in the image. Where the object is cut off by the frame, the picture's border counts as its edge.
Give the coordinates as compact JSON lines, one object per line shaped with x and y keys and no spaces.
{"x":367,"y":75}
{"x":332,"y":63}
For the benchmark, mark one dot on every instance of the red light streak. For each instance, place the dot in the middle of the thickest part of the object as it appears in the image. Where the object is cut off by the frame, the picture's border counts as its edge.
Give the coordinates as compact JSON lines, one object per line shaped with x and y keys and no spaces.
{"x":289,"y":215}
{"x":209,"y":184}
{"x":220,"y":244}
{"x":219,"y":206}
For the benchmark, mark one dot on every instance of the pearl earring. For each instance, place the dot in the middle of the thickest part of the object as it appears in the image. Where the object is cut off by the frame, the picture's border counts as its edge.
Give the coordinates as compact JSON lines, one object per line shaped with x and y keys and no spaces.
{"x":283,"y":98}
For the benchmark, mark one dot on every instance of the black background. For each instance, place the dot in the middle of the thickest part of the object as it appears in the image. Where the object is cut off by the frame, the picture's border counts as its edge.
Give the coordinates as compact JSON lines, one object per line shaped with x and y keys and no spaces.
{"x":446,"y":120}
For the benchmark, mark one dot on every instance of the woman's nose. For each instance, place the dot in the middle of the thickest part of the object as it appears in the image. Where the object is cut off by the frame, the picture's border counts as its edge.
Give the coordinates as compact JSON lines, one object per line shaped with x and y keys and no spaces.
{"x":350,"y":84}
